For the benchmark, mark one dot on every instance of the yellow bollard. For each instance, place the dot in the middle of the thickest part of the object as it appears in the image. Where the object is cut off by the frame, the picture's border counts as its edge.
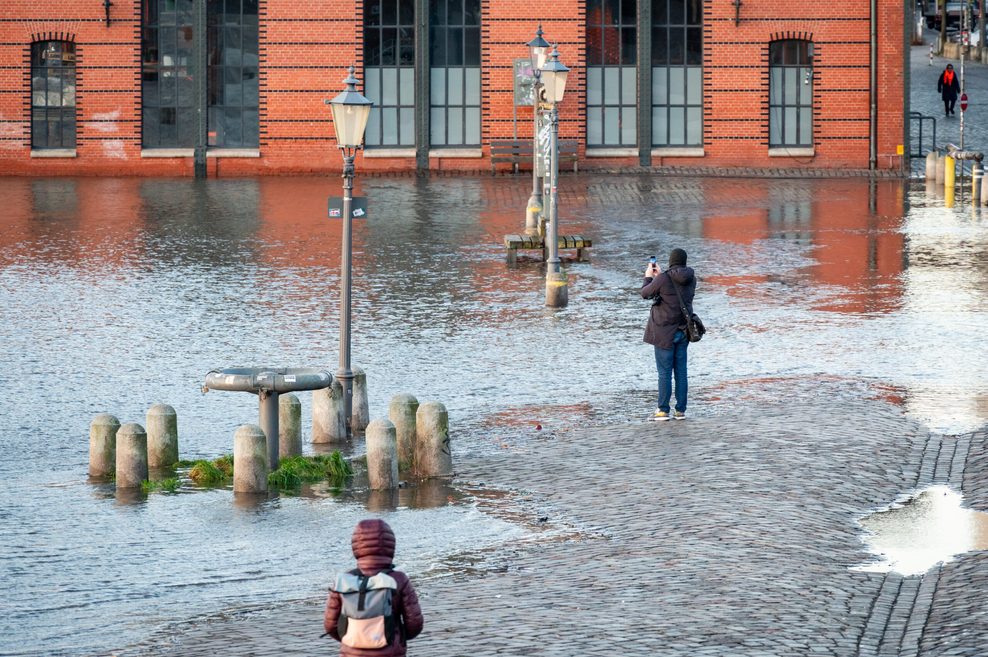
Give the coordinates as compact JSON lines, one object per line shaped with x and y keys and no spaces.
{"x":949,"y":173}
{"x":948,"y":197}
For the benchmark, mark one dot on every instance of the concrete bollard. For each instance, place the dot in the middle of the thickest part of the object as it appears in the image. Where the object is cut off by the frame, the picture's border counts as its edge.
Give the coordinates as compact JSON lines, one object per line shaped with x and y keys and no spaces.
{"x":433,"y":457}
{"x":132,"y":456}
{"x":556,"y":289}
{"x":941,"y":168}
{"x":250,"y":460}
{"x":361,"y":410}
{"x":162,"y":428}
{"x":949,"y":173}
{"x":931,"y":165}
{"x":327,"y":414}
{"x":401,"y":412}
{"x":382,"y":455}
{"x":977,"y":174}
{"x":103,"y":445}
{"x":984,"y":190}
{"x":289,"y":425}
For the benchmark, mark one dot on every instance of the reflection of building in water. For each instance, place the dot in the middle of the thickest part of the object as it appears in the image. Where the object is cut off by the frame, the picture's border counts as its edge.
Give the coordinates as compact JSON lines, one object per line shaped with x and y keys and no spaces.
{"x":853,"y":228}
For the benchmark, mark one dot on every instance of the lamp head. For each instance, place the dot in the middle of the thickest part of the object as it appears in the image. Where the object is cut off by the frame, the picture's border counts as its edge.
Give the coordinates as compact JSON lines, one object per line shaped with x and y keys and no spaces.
{"x":538,"y":49}
{"x":351,"y":109}
{"x":554,"y":78}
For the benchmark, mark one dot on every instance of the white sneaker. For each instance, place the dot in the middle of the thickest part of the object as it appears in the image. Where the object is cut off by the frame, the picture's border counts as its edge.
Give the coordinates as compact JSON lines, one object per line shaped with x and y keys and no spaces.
{"x":678,"y":415}
{"x":660,"y":416}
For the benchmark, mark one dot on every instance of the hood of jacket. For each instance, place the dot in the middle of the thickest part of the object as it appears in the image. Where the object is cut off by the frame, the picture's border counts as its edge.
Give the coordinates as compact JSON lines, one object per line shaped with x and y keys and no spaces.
{"x":681,"y":274}
{"x":373,"y":544}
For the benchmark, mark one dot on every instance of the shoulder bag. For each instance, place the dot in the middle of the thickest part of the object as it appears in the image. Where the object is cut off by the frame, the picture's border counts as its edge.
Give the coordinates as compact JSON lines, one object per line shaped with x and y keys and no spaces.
{"x":694,"y":327}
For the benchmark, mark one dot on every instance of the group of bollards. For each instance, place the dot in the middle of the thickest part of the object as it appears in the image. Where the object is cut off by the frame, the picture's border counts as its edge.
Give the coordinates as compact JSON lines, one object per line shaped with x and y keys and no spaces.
{"x":941,"y":169}
{"x":413,"y":440}
{"x":129,"y":451}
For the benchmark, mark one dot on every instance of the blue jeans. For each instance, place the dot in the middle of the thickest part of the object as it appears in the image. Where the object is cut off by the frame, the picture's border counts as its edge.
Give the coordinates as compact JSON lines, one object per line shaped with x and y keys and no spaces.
{"x":669,"y":362}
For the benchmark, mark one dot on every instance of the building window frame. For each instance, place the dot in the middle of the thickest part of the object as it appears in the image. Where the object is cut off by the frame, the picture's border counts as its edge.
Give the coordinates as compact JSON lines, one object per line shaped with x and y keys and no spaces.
{"x":168,"y":101}
{"x":677,"y":73}
{"x":790,"y":94}
{"x":389,"y":73}
{"x":53,"y":95}
{"x":612,"y":73}
{"x":454,"y":74}
{"x":232,"y":74}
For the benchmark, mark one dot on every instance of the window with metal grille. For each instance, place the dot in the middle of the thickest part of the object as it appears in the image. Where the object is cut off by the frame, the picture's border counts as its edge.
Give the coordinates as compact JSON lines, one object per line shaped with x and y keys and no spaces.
{"x":167,"y":88}
{"x":389,"y":72}
{"x":454,"y":73}
{"x":52,"y":95}
{"x":677,"y":73}
{"x":612,"y":87}
{"x":232,"y":73}
{"x":790,"y":104}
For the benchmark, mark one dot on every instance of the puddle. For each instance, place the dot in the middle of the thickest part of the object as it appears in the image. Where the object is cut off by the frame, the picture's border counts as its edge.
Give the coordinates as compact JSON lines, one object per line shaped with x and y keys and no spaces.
{"x":928,"y":528}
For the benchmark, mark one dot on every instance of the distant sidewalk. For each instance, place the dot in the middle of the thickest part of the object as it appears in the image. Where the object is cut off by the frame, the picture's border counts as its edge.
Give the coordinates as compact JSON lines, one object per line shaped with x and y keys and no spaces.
{"x":925,"y":99}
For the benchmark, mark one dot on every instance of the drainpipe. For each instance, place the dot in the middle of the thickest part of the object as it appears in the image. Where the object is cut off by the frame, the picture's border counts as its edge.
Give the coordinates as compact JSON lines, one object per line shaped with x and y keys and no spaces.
{"x":873,"y":92}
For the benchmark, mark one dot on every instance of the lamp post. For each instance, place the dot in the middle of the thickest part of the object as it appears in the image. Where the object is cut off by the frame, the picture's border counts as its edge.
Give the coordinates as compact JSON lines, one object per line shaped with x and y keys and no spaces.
{"x":538,"y":49}
{"x":554,"y":83}
{"x":350,"y":113}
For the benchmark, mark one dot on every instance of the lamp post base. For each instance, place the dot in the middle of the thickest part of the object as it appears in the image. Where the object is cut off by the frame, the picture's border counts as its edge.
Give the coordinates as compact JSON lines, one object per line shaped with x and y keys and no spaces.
{"x":556,"y":289}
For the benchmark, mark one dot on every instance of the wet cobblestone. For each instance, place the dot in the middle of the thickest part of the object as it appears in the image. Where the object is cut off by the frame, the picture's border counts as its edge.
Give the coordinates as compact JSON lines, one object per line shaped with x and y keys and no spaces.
{"x":716,"y":536}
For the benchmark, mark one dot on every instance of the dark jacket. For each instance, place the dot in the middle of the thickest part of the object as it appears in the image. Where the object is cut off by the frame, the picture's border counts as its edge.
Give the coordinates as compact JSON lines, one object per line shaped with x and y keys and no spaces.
{"x":949,"y":91}
{"x":666,"y":316}
{"x":373,"y":545}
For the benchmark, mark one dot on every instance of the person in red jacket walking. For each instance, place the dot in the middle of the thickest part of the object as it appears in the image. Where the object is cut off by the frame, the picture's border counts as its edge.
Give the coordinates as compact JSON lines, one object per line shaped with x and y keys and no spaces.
{"x":949,"y":86}
{"x":373,"y":545}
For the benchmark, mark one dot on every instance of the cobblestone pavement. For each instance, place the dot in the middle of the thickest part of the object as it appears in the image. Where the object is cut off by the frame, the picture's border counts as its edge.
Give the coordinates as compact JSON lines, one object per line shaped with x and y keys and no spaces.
{"x":730,"y":535}
{"x":924,"y":98}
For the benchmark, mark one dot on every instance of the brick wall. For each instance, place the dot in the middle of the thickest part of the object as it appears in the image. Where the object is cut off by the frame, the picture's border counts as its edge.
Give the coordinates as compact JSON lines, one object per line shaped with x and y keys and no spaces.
{"x":306,"y":45}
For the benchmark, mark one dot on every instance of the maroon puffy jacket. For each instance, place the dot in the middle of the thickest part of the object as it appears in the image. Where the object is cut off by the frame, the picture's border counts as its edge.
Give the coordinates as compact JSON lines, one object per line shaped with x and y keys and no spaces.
{"x":373,"y":544}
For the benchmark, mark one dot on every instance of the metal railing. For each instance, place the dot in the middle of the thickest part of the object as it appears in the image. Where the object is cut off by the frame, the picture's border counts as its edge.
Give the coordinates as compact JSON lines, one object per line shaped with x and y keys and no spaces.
{"x":921,"y":149}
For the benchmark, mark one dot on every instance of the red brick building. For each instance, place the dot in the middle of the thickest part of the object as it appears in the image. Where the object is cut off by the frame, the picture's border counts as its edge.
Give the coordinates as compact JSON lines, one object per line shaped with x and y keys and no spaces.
{"x":150,"y":87}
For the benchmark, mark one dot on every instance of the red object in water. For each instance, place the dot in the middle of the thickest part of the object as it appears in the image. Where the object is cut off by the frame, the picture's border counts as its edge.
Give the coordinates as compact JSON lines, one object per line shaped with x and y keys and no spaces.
{"x":538,"y":427}
{"x":963,"y":102}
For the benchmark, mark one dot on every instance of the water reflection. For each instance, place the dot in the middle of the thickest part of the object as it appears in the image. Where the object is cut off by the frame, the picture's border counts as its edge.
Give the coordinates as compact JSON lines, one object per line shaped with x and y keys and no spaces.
{"x":929,"y":528}
{"x":117,"y":292}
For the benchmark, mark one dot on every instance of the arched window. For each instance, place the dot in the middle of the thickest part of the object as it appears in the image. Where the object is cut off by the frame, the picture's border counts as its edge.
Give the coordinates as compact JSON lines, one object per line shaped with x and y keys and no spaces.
{"x":677,"y":73}
{"x":454,"y":73}
{"x":612,"y":84}
{"x":389,"y":71}
{"x":790,"y":105}
{"x":52,"y":95}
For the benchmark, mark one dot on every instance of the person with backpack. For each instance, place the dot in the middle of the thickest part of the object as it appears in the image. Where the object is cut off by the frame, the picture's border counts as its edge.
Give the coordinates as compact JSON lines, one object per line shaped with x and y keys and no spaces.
{"x":373,"y":610}
{"x":671,"y":292}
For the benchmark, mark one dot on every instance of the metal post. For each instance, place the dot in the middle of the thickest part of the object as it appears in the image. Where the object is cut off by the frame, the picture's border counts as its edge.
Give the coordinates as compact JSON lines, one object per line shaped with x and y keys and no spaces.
{"x":199,"y":71}
{"x":535,"y":202}
{"x":345,"y":374}
{"x":964,"y":42}
{"x":931,"y":54}
{"x":556,"y":290}
{"x":552,"y":238}
{"x":269,"y":424}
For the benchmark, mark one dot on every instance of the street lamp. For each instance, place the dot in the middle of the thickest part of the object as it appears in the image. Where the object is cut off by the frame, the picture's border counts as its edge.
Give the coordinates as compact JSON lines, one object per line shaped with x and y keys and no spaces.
{"x":538,"y":50}
{"x":350,"y":113}
{"x":554,"y":84}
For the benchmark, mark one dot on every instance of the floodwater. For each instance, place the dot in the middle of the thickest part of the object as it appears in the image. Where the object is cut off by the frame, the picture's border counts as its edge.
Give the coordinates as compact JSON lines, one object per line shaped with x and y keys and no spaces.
{"x":116,"y":294}
{"x":928,"y":528}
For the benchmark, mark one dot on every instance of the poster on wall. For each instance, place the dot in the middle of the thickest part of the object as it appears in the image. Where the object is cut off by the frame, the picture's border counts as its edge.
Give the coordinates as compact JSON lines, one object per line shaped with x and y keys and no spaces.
{"x":524,"y":82}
